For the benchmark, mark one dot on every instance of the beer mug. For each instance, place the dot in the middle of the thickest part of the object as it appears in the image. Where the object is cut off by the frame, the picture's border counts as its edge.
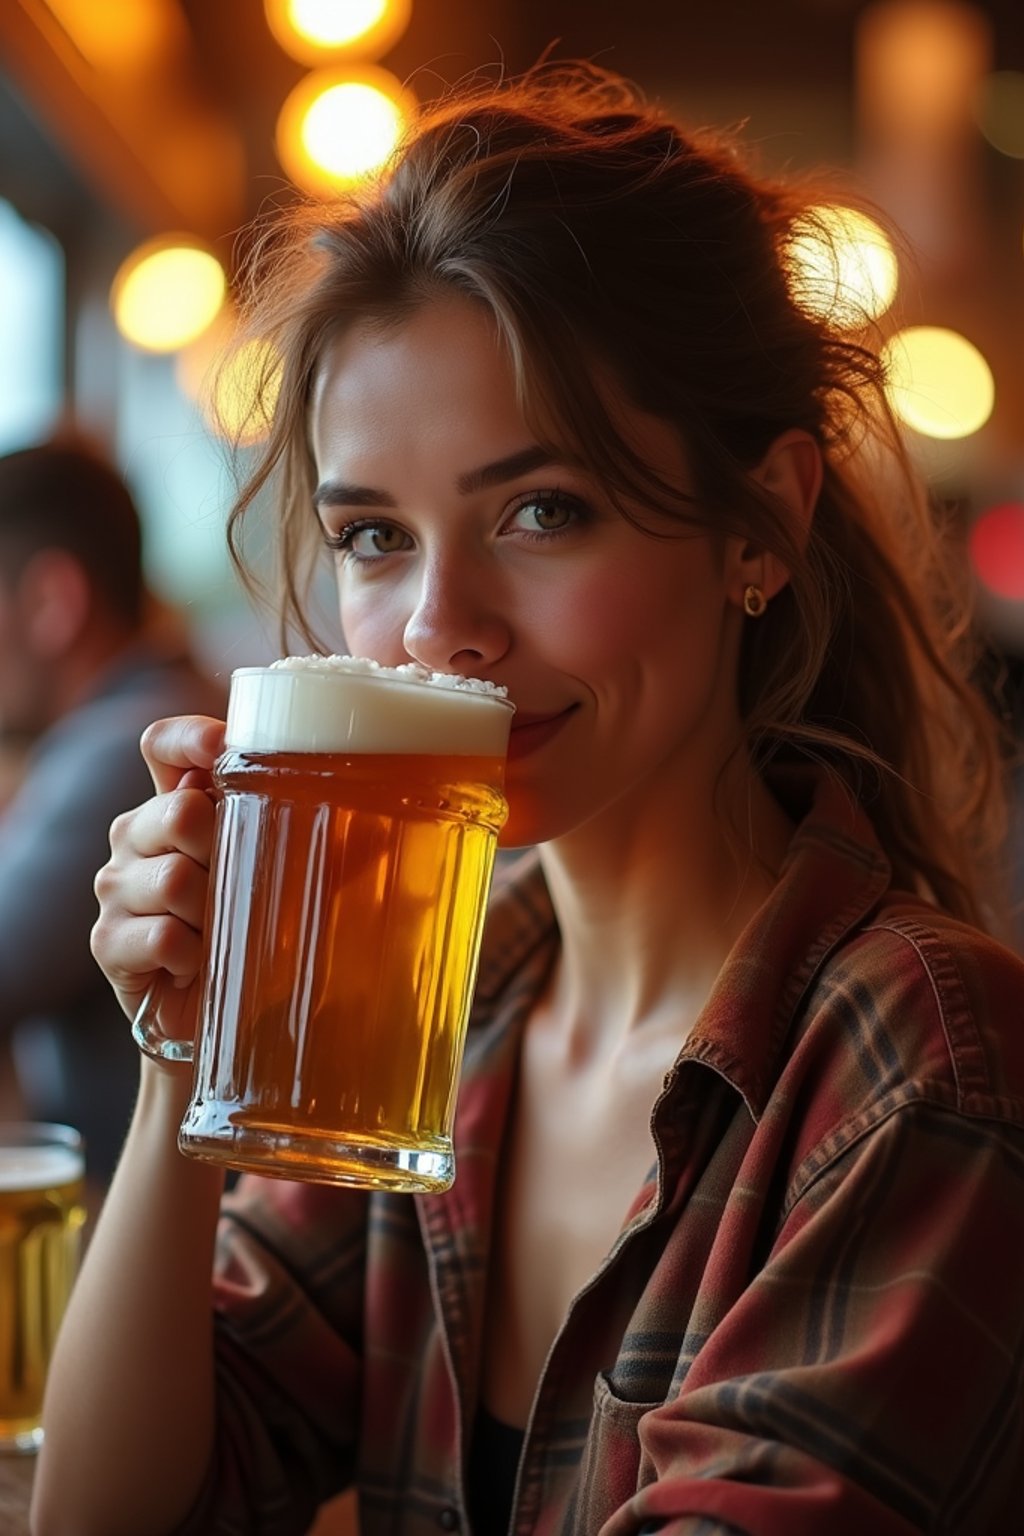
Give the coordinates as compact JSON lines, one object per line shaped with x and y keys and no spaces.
{"x":42,"y":1174}
{"x":357,"y":824}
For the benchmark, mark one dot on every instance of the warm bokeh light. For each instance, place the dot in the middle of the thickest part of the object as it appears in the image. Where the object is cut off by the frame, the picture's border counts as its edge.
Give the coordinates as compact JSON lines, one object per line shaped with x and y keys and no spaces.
{"x":842,"y":266}
{"x":315,"y":31}
{"x":166,"y":293}
{"x":338,"y":126}
{"x":118,"y":36}
{"x":996,"y":544}
{"x":938,"y":382}
{"x":920,"y":62}
{"x":1000,"y":111}
{"x":244,"y":392}
{"x":234,"y":383}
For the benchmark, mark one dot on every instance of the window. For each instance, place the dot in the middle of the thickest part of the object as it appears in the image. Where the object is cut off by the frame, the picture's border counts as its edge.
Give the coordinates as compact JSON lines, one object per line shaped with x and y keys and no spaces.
{"x":31,"y":331}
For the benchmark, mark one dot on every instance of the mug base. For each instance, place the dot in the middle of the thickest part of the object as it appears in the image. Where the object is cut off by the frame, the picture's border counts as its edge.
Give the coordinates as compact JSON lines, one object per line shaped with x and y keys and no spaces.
{"x":355,"y":1162}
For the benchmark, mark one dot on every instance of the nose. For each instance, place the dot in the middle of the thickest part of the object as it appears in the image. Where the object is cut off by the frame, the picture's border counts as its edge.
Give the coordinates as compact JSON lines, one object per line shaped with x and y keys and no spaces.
{"x":458,"y":623}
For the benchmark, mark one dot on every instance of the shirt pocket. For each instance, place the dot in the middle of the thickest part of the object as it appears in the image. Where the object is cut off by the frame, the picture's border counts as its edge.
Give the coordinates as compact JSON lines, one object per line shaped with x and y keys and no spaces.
{"x":613,"y":1467}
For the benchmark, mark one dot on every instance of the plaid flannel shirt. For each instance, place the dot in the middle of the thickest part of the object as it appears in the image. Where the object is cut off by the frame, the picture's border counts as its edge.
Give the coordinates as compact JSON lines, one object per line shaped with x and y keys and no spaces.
{"x":812,"y":1320}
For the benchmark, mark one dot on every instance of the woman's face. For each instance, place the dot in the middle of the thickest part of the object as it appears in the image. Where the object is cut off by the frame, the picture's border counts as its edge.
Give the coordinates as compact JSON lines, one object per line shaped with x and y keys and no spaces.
{"x":461,"y":546}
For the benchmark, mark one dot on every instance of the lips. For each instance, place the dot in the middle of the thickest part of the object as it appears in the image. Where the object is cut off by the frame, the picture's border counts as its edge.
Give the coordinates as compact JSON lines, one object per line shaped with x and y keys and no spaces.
{"x":531,"y":731}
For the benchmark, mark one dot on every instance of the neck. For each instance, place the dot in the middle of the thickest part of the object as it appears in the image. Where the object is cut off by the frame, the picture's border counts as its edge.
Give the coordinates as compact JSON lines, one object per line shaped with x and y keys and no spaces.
{"x":651,"y":896}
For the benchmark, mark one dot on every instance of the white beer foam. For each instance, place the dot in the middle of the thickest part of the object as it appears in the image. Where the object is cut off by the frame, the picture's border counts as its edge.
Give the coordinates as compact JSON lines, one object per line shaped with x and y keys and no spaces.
{"x":24,"y":1168}
{"x":352,"y":704}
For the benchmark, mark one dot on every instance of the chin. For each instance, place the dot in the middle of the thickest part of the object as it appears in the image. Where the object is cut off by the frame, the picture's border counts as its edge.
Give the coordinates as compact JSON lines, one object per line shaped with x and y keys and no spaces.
{"x":524,"y":828}
{"x":530,"y":823}
{"x":515,"y":834}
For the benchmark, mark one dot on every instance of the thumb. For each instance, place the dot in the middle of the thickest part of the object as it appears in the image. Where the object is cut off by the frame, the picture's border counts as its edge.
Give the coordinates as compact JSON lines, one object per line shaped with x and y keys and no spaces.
{"x":182,"y":747}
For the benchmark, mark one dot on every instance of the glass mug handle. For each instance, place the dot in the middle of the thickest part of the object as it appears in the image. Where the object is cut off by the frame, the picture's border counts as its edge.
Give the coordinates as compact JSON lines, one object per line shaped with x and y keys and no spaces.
{"x":149,"y":1037}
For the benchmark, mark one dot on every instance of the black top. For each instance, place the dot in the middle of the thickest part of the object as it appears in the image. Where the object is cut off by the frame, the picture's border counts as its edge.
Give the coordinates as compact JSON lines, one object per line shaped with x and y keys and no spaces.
{"x":493,"y":1464}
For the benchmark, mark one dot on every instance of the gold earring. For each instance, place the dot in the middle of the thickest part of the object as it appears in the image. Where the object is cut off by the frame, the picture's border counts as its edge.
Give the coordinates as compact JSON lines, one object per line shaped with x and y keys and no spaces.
{"x":754,"y":601}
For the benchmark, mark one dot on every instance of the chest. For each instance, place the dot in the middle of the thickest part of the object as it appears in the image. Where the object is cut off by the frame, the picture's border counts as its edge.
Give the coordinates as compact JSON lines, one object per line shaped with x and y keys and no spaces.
{"x":577,"y":1153}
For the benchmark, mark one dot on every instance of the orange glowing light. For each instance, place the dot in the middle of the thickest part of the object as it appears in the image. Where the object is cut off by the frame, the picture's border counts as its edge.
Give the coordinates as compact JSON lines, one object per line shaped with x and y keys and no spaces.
{"x":841,"y":264}
{"x":234,"y":382}
{"x":318,"y":31}
{"x":938,"y":382}
{"x":166,"y":293}
{"x":339,"y":126}
{"x":114,"y":35}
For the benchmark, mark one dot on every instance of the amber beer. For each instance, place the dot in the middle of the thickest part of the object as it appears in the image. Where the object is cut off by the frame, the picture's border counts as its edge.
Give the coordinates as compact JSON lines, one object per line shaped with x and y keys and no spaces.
{"x":41,"y":1218}
{"x":356,"y":835}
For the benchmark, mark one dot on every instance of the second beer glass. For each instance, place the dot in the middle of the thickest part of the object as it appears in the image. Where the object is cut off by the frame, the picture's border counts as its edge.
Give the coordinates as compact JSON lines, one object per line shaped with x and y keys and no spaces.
{"x":42,"y":1213}
{"x":356,"y":836}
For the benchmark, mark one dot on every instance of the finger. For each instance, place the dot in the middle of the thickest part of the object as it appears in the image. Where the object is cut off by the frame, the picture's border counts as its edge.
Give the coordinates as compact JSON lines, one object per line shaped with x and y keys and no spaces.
{"x":179,"y":822}
{"x":171,"y":884}
{"x":177,"y":745}
{"x":198,"y":778}
{"x":123,"y":953}
{"x":135,"y":951}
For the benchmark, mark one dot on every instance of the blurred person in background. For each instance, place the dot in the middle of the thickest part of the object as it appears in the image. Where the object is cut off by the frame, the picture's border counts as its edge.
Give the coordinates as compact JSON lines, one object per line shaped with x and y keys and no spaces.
{"x":85,"y":665}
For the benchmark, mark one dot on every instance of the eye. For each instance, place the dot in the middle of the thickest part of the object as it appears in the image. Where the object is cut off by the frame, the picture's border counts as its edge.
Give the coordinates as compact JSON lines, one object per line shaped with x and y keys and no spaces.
{"x":546,"y":513}
{"x":368,"y":541}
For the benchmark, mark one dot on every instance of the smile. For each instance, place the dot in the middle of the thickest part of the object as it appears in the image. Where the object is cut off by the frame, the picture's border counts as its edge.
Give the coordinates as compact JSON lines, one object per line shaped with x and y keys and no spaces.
{"x":535,"y":731}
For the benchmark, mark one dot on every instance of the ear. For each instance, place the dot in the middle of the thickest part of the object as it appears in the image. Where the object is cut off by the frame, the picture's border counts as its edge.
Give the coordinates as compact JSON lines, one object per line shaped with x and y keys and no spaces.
{"x":792,"y":470}
{"x":54,"y":600}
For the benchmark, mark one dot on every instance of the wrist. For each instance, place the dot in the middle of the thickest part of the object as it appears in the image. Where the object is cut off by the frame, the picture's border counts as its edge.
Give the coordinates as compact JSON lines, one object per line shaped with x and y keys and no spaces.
{"x":165,"y":1088}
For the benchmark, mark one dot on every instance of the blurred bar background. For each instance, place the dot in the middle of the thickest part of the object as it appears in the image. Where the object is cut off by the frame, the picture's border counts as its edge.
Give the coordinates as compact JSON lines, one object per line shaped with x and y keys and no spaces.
{"x":129,"y":128}
{"x":132,"y":125}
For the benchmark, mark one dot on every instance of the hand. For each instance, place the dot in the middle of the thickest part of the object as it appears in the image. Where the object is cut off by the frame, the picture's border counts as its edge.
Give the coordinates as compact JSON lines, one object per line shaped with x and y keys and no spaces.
{"x":152,"y":891}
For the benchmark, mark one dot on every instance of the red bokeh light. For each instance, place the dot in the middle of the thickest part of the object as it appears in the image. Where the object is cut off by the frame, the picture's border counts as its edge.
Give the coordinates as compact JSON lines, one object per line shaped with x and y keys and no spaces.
{"x":996,"y":546}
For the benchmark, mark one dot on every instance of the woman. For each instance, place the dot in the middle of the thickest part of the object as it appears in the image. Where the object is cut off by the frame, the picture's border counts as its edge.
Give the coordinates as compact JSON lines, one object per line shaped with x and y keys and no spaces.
{"x":736,"y":1243}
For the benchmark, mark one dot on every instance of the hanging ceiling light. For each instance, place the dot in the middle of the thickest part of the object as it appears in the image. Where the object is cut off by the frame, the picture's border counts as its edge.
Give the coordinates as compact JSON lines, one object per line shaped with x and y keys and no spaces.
{"x":340,"y":125}
{"x":317,"y":31}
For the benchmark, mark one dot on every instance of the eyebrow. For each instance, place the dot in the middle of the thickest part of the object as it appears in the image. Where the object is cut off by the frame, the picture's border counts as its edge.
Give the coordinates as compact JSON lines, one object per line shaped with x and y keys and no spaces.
{"x":341,"y":493}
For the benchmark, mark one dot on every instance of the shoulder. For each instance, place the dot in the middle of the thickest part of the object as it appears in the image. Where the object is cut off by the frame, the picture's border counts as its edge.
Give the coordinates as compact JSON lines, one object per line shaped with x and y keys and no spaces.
{"x":915,"y":1006}
{"x":909,"y":1037}
{"x":151,"y":688}
{"x":109,"y":725}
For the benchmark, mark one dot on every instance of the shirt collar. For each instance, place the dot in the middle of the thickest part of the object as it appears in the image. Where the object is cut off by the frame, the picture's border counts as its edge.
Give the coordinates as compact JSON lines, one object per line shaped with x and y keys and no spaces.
{"x":833,"y":874}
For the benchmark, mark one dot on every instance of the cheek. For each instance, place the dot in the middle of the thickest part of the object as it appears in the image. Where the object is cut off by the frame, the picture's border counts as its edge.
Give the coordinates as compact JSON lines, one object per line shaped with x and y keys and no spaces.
{"x":372,"y":623}
{"x":621,"y":611}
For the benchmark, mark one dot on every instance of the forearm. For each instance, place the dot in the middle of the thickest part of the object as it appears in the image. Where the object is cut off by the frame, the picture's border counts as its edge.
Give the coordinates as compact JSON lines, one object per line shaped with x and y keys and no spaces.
{"x":130,"y":1399}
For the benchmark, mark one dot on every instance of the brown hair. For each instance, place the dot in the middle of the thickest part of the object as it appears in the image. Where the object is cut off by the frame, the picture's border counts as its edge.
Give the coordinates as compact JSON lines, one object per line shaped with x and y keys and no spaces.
{"x":602,"y":236}
{"x":65,"y":493}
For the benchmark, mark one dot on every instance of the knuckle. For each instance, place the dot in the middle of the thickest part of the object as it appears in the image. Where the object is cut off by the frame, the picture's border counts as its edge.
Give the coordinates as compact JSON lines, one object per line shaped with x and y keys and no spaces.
{"x":171,"y":877}
{"x":98,"y":938}
{"x":181,"y":811}
{"x":173,"y":946}
{"x":149,"y":741}
{"x":105,"y":882}
{"x":162,"y":939}
{"x":172,"y":808}
{"x":120,"y":829}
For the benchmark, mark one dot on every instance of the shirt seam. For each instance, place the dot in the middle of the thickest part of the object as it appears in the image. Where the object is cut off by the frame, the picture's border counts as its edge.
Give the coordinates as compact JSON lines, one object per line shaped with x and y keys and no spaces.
{"x":939,"y":964}
{"x":857,"y":1128}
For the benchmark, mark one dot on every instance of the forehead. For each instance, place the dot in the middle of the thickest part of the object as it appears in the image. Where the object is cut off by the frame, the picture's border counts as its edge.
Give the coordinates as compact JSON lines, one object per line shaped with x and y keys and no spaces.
{"x":442,"y":377}
{"x":440,"y":366}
